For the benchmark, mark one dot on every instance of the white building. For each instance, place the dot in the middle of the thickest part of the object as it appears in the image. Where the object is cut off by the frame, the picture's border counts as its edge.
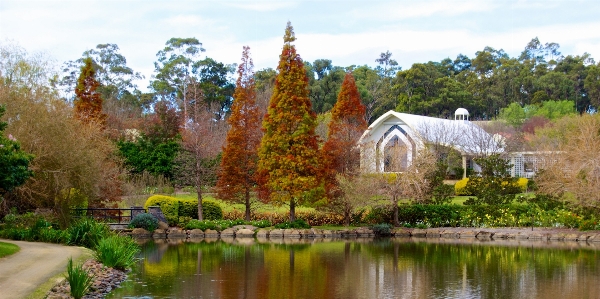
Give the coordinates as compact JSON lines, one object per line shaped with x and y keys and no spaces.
{"x":391,"y":142}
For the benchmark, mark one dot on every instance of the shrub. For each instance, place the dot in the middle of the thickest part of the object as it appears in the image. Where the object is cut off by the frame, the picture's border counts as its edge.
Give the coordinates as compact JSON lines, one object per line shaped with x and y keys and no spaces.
{"x":211,"y":210}
{"x":117,"y":251}
{"x":382,"y":229}
{"x":523,"y":183}
{"x":460,"y":188}
{"x":168,"y":205}
{"x":79,"y":280}
{"x":87,"y":233}
{"x":383,"y":214}
{"x":298,"y":223}
{"x":145,"y":221}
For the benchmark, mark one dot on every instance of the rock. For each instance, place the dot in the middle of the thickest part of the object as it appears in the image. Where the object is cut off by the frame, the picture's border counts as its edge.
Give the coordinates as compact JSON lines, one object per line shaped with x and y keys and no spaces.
{"x":141,"y":233}
{"x":159,"y":234}
{"x":196,"y":233}
{"x":468,"y":234}
{"x":210,"y":233}
{"x":401,"y":232}
{"x":244,"y":233}
{"x":276,"y":233}
{"x":538,"y":237}
{"x":484,"y":235}
{"x":291,"y":234}
{"x":556,"y":237}
{"x":229,"y":232}
{"x":432,"y":233}
{"x":176,"y":233}
{"x":449,"y":234}
{"x":593,"y":238}
{"x":163,"y":225}
{"x":327,"y":233}
{"x":363,"y":232}
{"x":571,"y":237}
{"x":418,"y":233}
{"x":262,"y":233}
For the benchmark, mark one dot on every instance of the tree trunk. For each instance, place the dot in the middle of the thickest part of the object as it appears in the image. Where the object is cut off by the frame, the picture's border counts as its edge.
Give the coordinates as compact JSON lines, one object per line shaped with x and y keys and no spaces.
{"x":347,"y":212}
{"x":199,"y":192}
{"x":395,"y":202}
{"x":292,"y":210}
{"x":247,"y":204}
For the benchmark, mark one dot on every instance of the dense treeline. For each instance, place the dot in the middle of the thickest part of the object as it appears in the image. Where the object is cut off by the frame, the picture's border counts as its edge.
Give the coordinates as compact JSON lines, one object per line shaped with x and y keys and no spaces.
{"x":177,"y":129}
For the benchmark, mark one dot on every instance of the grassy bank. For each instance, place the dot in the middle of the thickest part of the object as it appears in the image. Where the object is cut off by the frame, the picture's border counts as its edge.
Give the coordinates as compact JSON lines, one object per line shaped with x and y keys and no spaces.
{"x":7,"y":249}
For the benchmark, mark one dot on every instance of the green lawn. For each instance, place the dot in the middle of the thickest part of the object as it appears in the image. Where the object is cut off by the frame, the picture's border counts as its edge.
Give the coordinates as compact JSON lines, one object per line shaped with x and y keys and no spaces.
{"x":7,"y":249}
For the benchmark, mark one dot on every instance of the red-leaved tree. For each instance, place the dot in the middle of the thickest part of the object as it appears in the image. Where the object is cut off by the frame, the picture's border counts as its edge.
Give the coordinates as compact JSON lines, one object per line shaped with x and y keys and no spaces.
{"x":341,"y":155}
{"x":289,"y":168}
{"x":88,"y":102}
{"x":240,"y":155}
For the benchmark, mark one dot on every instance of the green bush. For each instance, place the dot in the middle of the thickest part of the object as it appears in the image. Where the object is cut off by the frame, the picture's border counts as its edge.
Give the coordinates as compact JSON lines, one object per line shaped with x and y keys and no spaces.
{"x":79,"y":280}
{"x":87,"y":233}
{"x":382,"y":229}
{"x":202,"y":225}
{"x":382,"y":214}
{"x":211,"y":210}
{"x":174,"y":208}
{"x":168,"y":205}
{"x":298,"y":223}
{"x":145,"y":221}
{"x":460,"y":188}
{"x":117,"y":251}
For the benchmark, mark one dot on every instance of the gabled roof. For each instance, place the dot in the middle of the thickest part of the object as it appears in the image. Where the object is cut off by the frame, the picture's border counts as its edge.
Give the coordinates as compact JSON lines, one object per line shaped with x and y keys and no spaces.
{"x":461,"y":135}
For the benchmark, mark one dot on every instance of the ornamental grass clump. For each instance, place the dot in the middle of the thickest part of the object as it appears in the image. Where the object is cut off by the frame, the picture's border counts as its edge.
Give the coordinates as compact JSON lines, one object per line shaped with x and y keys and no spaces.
{"x":117,"y":251}
{"x":79,"y":279}
{"x":87,"y":232}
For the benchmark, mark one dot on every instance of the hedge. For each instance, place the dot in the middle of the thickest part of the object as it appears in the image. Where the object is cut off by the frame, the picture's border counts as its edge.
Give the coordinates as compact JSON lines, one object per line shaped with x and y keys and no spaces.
{"x":460,"y":186}
{"x":173,"y":208}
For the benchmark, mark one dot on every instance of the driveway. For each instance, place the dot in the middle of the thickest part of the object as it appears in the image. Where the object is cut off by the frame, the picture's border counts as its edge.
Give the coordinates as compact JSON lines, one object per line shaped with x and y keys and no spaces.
{"x":23,"y":272}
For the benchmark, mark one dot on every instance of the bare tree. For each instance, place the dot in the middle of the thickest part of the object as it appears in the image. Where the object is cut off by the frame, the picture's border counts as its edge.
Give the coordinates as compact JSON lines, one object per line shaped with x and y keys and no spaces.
{"x":203,"y":140}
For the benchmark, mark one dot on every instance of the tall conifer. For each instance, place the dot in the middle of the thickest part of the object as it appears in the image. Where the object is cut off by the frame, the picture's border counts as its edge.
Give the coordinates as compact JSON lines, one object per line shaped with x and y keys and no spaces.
{"x":88,"y":102}
{"x":289,"y":167}
{"x":340,"y":153}
{"x":240,"y":154}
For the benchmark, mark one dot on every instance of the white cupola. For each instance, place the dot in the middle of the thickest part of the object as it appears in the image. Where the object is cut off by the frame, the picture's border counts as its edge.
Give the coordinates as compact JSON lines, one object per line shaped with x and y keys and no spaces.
{"x":461,"y":114}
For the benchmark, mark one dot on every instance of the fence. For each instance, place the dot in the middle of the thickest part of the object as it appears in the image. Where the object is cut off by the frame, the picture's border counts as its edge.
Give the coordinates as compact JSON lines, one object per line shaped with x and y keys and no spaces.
{"x":110,"y":215}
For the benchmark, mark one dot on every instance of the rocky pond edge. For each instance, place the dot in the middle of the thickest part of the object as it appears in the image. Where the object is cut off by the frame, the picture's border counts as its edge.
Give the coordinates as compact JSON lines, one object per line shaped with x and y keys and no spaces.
{"x":248,"y":231}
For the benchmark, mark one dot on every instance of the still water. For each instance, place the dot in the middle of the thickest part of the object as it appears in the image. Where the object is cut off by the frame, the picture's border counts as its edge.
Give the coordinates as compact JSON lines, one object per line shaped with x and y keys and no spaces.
{"x":387,"y":268}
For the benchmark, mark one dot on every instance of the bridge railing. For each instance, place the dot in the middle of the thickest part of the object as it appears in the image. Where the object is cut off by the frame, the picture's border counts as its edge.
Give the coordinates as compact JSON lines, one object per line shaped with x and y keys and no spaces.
{"x":109,"y":215}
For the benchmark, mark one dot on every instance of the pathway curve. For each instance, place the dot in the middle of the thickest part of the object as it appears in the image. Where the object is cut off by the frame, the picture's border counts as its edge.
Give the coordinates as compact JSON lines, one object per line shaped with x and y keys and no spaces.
{"x":22,"y":272}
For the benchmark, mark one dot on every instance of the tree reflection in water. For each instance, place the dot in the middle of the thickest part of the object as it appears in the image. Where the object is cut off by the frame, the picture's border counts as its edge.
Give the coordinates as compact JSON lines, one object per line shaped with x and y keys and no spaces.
{"x":389,"y":268}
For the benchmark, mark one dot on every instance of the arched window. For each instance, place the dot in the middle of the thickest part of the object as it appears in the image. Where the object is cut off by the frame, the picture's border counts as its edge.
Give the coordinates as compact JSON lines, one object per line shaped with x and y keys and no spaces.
{"x":395,"y":150}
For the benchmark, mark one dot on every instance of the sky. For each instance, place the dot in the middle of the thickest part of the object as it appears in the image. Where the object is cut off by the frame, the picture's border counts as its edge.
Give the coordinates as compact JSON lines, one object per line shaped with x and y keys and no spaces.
{"x":348,"y":32}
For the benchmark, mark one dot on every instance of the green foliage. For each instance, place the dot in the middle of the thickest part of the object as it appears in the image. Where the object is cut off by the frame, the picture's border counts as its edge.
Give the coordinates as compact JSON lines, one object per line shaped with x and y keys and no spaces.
{"x":382,"y":229}
{"x":87,"y":232}
{"x":145,"y":221}
{"x":460,"y":188}
{"x":381,"y":214}
{"x":211,"y":210}
{"x":494,"y":185}
{"x":14,"y":162}
{"x":298,"y":223}
{"x":117,"y":251}
{"x":174,"y":208}
{"x":220,"y":225}
{"x":79,"y":279}
{"x":168,"y":205}
{"x":156,"y":158}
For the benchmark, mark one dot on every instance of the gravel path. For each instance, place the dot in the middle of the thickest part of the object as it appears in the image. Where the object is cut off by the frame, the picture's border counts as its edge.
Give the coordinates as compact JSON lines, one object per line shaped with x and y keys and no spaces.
{"x":22,"y":272}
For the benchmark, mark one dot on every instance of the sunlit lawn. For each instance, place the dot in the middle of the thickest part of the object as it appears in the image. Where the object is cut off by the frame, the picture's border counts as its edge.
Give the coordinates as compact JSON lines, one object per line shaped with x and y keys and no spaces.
{"x":7,"y":249}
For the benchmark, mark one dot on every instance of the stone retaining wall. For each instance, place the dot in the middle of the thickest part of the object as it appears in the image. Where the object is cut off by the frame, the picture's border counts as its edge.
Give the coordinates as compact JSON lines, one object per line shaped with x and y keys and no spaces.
{"x":246,"y":231}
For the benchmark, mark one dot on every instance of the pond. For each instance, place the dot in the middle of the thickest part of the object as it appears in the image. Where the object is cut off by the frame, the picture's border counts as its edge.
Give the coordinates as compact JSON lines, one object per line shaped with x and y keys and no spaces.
{"x":385,"y":268}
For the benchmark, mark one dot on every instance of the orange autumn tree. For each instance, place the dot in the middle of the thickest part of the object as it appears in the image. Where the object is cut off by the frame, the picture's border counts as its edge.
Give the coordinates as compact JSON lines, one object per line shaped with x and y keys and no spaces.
{"x":88,"y":102}
{"x":341,"y":155}
{"x":289,"y":169}
{"x":240,"y":155}
{"x":340,"y":152}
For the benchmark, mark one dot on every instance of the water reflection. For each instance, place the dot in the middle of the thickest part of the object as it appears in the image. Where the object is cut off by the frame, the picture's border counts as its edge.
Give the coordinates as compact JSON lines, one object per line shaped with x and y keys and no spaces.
{"x":391,"y":268}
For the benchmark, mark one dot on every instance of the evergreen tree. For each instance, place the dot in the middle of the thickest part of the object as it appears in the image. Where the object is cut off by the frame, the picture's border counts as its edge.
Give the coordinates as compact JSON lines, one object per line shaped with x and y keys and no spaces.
{"x":14,"y":162}
{"x":340,"y":153}
{"x":88,"y":102}
{"x":289,"y":167}
{"x":240,"y":154}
